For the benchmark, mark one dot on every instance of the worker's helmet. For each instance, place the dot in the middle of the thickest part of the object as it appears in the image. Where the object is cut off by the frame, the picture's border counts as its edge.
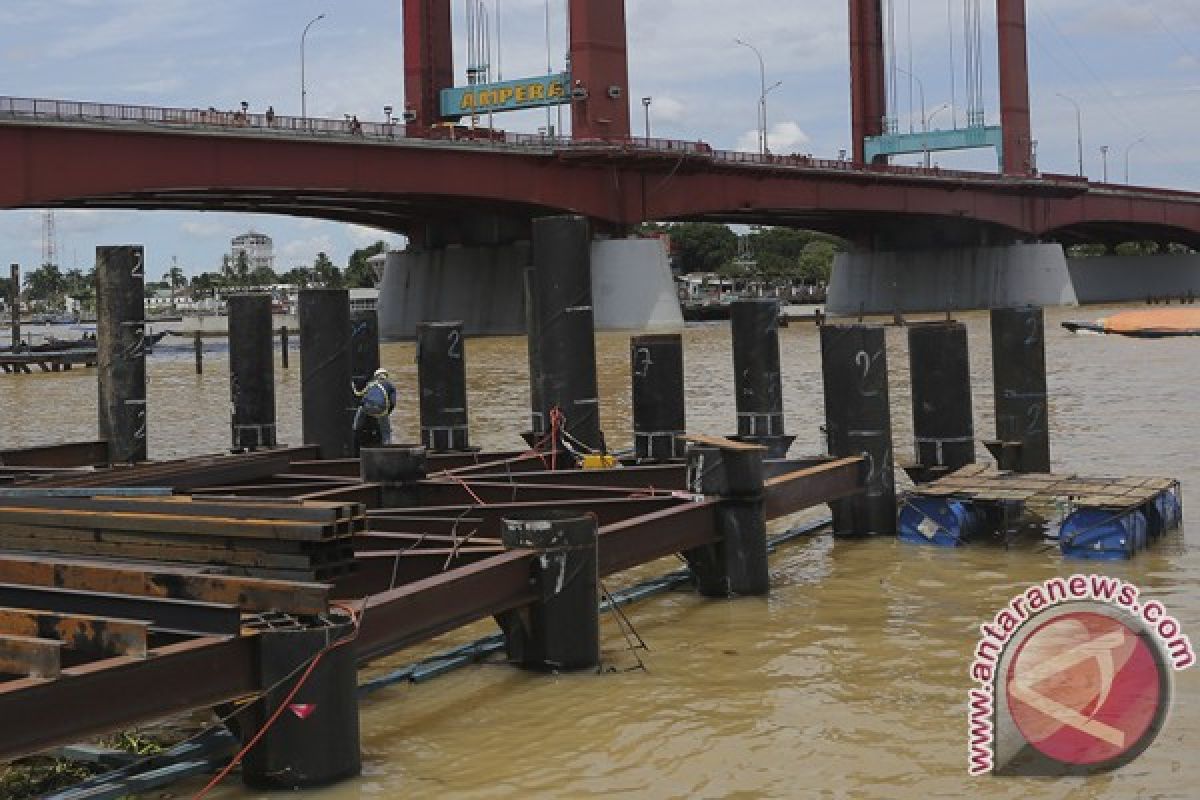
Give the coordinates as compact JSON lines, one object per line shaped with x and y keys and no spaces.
{"x":381,"y":374}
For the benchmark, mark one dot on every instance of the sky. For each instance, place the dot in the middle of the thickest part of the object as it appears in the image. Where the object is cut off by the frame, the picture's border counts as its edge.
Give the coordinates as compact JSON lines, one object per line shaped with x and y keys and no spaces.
{"x":1132,"y":66}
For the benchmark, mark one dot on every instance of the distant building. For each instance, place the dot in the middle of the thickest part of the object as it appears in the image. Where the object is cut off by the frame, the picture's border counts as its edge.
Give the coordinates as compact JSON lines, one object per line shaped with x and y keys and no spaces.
{"x":258,"y":247}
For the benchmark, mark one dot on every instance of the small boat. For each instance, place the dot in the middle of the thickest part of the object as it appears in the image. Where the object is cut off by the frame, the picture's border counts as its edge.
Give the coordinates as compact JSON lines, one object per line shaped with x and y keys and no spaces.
{"x":1155,"y":324}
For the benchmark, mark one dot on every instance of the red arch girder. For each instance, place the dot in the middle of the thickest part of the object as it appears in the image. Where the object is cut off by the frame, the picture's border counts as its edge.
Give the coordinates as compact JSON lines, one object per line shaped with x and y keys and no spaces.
{"x":77,"y":165}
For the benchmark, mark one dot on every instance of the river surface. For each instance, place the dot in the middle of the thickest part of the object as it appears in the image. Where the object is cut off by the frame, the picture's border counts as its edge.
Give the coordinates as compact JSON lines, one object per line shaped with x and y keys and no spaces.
{"x":848,"y":682}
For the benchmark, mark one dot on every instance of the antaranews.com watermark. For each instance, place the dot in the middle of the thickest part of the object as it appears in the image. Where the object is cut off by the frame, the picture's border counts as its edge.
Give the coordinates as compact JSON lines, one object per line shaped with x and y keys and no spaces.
{"x":1074,"y":676}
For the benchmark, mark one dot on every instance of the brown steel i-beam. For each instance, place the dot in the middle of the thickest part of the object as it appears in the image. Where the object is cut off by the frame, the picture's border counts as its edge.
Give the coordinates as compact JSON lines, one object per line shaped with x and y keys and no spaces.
{"x":428,"y":61}
{"x":868,"y":87}
{"x":1014,"y":87}
{"x":599,"y":70}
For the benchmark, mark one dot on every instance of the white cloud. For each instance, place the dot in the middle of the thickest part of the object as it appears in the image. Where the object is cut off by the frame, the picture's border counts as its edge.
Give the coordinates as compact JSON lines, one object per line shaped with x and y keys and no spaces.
{"x":783,"y":138}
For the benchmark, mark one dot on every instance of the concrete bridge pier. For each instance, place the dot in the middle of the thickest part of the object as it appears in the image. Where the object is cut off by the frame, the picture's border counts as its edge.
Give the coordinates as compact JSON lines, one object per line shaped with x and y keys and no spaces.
{"x":931,"y":279}
{"x":481,"y":283}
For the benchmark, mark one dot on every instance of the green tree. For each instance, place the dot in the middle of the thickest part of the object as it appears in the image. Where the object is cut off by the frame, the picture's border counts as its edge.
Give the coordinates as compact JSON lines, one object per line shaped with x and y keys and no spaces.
{"x":359,"y":274}
{"x":702,"y":246}
{"x":297,"y":276}
{"x":263,"y":276}
{"x":46,"y":285}
{"x":241,"y":269}
{"x":206,"y":284}
{"x":81,"y":287}
{"x":324,"y":273}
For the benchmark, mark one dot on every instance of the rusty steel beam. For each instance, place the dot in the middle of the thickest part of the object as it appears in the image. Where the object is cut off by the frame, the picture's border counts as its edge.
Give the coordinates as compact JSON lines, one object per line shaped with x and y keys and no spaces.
{"x":177,"y":616}
{"x":74,"y":454}
{"x":443,"y":519}
{"x":515,"y":462}
{"x":381,"y":571}
{"x":249,"y":594}
{"x":638,"y":541}
{"x":670,"y":477}
{"x":426,"y":608}
{"x":30,"y":656}
{"x":118,"y":693}
{"x":92,"y":636}
{"x":796,"y":491}
{"x":487,"y":492}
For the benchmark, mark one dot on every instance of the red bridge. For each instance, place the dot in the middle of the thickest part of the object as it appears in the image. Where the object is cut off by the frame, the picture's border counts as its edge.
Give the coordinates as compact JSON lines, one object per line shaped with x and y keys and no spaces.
{"x":84,"y":155}
{"x":403,"y":175}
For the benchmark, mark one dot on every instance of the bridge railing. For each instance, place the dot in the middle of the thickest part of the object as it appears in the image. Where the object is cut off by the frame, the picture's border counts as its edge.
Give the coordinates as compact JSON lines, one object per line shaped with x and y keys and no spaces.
{"x":198,"y":118}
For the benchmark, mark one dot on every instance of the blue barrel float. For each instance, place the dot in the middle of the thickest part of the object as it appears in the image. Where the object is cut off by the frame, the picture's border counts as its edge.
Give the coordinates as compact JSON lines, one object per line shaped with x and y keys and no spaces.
{"x":1102,"y":534}
{"x":939,"y":521}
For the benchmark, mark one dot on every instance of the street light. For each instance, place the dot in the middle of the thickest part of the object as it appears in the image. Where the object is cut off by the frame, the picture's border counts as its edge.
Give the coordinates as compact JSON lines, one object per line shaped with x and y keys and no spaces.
{"x":1078,"y":128}
{"x":1104,"y":160}
{"x":646,"y":104}
{"x":762,"y":98}
{"x":303,"y":85}
{"x":934,"y":113}
{"x":1132,"y":145}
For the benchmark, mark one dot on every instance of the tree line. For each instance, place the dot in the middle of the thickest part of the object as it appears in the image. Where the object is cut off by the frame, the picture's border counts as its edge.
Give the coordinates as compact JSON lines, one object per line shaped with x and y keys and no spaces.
{"x":767,"y":253}
{"x":50,"y":286}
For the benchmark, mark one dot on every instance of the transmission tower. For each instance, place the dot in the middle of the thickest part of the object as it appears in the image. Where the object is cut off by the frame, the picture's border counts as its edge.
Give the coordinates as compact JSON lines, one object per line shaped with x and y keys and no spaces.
{"x":49,"y":239}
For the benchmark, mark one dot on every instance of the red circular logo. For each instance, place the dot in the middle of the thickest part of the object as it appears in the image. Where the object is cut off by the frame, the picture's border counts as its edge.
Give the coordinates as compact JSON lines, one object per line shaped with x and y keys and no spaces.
{"x":1086,"y":689}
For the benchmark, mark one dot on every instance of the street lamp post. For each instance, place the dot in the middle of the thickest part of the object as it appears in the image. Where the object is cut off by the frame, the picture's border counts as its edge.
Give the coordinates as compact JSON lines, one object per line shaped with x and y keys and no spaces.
{"x":1078,"y":128}
{"x":927,"y":124}
{"x":763,"y":146}
{"x":646,"y":104}
{"x":1132,"y":145}
{"x":303,"y":84}
{"x":1104,"y":161}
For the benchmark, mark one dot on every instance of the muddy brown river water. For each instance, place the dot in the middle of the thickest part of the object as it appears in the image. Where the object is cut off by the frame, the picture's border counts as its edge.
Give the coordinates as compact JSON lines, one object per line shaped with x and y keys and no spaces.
{"x":848,"y":682}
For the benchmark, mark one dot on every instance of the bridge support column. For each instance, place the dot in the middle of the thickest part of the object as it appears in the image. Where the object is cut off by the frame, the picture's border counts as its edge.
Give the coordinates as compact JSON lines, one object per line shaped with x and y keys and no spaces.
{"x":326,"y":396}
{"x":315,"y":740}
{"x":940,"y":373}
{"x":858,"y":422}
{"x":251,"y":371}
{"x":561,"y":630}
{"x":482,"y":285}
{"x":960,"y":278}
{"x":1019,"y":379}
{"x":737,"y":564}
{"x":659,"y":410}
{"x":121,"y":350}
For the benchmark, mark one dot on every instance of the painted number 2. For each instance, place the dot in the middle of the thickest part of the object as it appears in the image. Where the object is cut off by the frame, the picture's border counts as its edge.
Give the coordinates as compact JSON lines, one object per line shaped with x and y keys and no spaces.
{"x":455,"y":348}
{"x":866,"y":363}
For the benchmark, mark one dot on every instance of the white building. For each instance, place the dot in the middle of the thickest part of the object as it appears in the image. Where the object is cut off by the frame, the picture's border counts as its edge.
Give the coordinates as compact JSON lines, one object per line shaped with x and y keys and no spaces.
{"x":258,"y":247}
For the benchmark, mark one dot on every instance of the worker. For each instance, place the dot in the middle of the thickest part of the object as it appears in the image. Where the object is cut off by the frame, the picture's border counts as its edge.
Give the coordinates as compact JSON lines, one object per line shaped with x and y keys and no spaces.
{"x":377,"y":401}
